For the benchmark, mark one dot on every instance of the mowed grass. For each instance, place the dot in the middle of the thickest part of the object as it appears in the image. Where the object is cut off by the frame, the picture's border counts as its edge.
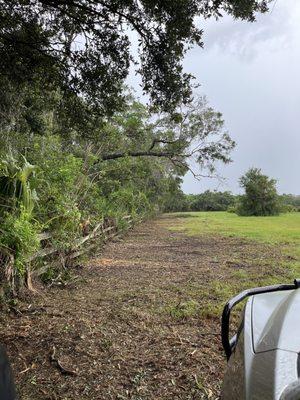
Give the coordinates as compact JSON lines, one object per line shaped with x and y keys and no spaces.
{"x":270,"y":255}
{"x":281,"y":229}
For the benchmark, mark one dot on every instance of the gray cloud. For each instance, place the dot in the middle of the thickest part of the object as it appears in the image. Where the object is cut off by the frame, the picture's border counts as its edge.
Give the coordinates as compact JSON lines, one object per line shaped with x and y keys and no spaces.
{"x":250,"y":72}
{"x":244,"y":39}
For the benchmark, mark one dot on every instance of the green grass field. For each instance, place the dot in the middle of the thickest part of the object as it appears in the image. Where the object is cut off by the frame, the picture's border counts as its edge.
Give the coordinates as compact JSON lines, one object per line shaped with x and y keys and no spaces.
{"x":283,"y":229}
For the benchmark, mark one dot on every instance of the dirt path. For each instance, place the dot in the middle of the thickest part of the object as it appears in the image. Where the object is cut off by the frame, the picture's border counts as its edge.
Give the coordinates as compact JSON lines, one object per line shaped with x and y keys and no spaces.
{"x":128,"y":328}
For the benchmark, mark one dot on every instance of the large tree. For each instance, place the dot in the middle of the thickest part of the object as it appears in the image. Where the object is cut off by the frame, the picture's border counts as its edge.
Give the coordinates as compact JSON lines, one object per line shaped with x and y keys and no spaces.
{"x":83,"y":47}
{"x":260,"y":196}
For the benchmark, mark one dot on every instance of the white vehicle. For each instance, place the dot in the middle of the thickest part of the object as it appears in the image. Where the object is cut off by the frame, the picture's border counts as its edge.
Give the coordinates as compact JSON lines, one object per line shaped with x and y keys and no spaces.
{"x":264,"y":356}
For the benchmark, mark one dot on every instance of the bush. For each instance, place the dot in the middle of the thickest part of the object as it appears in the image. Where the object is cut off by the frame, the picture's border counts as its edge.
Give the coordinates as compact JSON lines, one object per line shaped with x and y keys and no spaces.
{"x":207,"y":201}
{"x":291,"y":199}
{"x":59,"y":189}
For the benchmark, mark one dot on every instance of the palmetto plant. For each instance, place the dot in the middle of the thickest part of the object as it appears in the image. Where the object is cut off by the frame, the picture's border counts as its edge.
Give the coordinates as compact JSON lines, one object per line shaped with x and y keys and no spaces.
{"x":18,"y":238}
{"x":15,"y":190}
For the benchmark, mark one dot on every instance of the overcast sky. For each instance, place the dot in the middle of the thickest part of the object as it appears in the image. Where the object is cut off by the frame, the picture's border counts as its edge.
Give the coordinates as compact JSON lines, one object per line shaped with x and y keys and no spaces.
{"x":251,"y":73}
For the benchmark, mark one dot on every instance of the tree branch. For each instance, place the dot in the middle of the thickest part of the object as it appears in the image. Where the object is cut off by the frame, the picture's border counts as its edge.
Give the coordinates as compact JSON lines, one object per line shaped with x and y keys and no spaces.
{"x":148,"y":153}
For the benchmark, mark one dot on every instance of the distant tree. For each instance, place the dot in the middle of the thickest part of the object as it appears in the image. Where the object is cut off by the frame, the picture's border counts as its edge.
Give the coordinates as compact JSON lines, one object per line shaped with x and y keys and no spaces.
{"x":260,"y":196}
{"x":206,"y":201}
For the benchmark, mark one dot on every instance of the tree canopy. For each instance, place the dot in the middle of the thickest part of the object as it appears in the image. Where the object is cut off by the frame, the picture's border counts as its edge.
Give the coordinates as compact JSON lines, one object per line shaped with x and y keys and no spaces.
{"x":84,"y":47}
{"x":197,"y":133}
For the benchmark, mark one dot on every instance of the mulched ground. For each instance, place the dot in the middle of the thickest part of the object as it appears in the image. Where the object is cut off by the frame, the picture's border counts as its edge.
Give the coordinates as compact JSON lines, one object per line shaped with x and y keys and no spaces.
{"x":113,"y":334}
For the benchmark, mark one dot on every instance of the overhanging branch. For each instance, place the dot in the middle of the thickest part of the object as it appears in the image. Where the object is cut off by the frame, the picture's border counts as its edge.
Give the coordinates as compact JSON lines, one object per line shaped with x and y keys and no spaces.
{"x":115,"y":156}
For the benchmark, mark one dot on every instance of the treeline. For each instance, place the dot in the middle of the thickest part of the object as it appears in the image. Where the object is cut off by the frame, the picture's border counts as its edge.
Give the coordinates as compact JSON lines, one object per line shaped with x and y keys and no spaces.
{"x":206,"y":201}
{"x":223,"y":201}
{"x":291,"y":201}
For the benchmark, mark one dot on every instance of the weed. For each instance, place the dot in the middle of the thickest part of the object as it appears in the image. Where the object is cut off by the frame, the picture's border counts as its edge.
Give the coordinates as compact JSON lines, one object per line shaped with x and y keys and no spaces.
{"x":138,"y":378}
{"x":106,"y":343}
{"x":240,"y":274}
{"x":183,"y":310}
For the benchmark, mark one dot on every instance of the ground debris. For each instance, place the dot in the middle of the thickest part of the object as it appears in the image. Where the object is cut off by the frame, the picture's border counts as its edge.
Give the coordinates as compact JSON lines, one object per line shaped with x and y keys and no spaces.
{"x":141,"y":323}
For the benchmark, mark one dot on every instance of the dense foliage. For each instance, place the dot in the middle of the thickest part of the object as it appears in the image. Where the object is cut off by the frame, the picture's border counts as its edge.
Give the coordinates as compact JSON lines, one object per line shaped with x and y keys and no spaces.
{"x":212,"y":201}
{"x":84,"y":47}
{"x":206,"y":201}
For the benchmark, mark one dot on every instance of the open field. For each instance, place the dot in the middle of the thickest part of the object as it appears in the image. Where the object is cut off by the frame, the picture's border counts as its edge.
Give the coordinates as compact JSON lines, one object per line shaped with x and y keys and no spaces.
{"x":279,"y":234}
{"x":283,"y":229}
{"x":141,"y":321}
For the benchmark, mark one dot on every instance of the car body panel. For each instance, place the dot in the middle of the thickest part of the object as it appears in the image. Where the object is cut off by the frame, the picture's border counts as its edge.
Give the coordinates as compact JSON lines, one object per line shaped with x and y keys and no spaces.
{"x":276,"y":321}
{"x":265,"y":358}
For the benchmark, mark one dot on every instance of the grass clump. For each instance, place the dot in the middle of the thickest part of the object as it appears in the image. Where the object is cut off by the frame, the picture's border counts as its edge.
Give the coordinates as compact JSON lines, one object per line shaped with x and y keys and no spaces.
{"x":183,"y":310}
